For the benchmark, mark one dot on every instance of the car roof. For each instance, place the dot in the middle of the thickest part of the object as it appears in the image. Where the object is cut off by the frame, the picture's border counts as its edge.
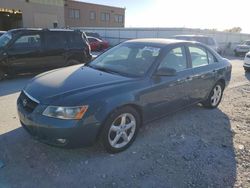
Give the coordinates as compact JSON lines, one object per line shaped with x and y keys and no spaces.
{"x":40,"y":29}
{"x":192,"y":36}
{"x":160,"y":41}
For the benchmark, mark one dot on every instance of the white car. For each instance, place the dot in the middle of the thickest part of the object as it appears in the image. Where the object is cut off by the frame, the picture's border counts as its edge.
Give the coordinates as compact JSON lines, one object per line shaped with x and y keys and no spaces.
{"x":242,"y":49}
{"x":247,"y":62}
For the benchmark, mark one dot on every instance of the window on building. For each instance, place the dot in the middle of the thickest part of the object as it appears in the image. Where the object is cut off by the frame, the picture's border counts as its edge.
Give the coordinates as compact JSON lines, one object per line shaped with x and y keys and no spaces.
{"x":105,"y":16}
{"x":92,"y":15}
{"x":102,"y":16}
{"x":118,"y":18}
{"x":74,"y":13}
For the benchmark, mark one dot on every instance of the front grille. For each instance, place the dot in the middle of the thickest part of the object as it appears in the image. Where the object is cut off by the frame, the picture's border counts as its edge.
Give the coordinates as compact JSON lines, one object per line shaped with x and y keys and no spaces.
{"x":27,"y":103}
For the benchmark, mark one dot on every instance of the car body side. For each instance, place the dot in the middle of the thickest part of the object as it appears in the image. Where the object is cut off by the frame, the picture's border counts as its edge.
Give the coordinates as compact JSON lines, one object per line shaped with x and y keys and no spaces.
{"x":151,"y":95}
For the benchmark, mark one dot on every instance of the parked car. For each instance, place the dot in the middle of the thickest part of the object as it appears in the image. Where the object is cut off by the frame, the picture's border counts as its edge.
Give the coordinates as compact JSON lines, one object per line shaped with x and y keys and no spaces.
{"x":112,"y":96}
{"x":91,"y":34}
{"x":97,"y":44}
{"x":242,"y":49}
{"x":29,"y":50}
{"x":247,"y":62}
{"x":2,"y":32}
{"x":209,"y":41}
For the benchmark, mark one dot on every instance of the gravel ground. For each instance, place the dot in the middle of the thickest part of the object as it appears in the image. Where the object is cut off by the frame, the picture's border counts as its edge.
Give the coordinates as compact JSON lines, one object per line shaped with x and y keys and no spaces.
{"x":195,"y":147}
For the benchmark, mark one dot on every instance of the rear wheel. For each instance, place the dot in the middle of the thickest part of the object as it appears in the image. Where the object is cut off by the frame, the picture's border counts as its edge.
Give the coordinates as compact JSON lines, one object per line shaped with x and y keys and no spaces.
{"x":215,"y":96}
{"x":2,"y":75}
{"x":72,"y":62}
{"x":120,"y":129}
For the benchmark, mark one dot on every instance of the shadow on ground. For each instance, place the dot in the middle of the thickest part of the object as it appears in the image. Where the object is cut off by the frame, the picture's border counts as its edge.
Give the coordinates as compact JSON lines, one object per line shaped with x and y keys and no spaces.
{"x":192,"y":148}
{"x":14,"y":85}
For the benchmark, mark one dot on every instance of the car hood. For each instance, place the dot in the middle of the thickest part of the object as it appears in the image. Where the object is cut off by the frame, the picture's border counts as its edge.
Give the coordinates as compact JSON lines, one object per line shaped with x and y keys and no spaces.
{"x":61,"y":83}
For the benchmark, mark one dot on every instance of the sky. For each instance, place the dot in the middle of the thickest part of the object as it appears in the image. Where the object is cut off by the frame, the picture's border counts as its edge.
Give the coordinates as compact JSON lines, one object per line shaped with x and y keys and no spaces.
{"x":204,"y":14}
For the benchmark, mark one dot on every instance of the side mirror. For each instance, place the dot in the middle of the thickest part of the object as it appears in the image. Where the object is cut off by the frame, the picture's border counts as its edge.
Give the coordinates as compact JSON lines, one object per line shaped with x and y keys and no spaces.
{"x":166,"y":72}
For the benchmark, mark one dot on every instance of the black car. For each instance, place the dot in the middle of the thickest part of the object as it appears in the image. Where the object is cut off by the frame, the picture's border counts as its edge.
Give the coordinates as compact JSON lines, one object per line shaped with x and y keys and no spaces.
{"x":113,"y":95}
{"x":37,"y":50}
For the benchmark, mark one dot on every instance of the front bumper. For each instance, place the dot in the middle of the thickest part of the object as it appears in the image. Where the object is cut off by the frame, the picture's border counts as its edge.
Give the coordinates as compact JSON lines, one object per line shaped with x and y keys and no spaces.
{"x":51,"y":130}
{"x":246,"y":66}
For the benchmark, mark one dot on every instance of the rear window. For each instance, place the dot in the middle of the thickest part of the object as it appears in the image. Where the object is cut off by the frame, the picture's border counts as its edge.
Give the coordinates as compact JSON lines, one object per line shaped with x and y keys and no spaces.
{"x":75,"y":40}
{"x":205,"y":40}
{"x":55,"y":40}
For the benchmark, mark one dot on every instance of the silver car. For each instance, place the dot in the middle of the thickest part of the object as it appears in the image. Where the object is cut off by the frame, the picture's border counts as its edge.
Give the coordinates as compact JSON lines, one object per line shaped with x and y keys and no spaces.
{"x":243,"y":48}
{"x":209,"y":41}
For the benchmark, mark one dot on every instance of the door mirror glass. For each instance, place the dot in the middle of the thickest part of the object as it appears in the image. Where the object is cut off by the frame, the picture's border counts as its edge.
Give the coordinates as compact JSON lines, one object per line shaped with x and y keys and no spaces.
{"x":166,"y":72}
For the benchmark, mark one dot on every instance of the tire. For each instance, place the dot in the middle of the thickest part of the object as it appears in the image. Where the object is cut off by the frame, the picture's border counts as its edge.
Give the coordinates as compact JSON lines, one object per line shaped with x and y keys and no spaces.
{"x":122,"y":121}
{"x":72,"y":62}
{"x":247,"y":69}
{"x":2,"y":75}
{"x":214,"y":99}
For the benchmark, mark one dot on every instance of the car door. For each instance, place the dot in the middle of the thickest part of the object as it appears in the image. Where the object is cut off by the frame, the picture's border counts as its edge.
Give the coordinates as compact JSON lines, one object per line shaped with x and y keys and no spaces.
{"x":25,"y":52}
{"x":170,"y":93}
{"x":56,"y":48}
{"x":204,"y":71}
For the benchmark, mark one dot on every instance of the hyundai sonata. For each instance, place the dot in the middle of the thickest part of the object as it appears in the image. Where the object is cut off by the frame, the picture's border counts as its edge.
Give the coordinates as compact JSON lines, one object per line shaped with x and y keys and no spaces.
{"x":111,"y":97}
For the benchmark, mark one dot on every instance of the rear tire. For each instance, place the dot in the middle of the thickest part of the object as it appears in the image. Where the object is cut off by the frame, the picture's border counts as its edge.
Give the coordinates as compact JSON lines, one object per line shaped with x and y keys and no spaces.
{"x":73,"y":62}
{"x":2,"y":75}
{"x":120,"y":129}
{"x":215,"y":96}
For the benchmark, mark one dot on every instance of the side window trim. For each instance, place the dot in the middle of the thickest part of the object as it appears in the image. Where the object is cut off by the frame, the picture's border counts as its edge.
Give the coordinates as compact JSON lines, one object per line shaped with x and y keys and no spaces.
{"x":186,"y":56}
{"x":27,"y":34}
{"x":190,"y":57}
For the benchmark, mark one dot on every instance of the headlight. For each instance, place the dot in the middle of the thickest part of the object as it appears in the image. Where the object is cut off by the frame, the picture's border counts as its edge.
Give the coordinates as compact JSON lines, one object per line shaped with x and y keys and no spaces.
{"x":65,"y":112}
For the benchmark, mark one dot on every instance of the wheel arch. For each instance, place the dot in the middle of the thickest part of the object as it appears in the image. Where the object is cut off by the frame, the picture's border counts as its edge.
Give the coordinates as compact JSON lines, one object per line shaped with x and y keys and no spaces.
{"x":137,"y":107}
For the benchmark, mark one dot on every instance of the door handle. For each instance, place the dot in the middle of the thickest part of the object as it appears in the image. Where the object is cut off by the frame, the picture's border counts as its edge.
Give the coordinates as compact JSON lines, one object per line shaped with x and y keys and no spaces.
{"x":189,"y":78}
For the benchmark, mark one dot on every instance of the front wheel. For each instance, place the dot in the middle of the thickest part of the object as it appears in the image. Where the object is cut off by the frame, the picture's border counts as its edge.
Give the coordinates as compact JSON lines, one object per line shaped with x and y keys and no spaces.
{"x":215,"y":96}
{"x":120,"y":129}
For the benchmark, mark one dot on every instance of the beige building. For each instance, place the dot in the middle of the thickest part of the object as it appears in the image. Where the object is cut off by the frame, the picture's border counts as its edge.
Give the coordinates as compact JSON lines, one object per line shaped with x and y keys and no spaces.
{"x":60,"y":13}
{"x":80,"y":14}
{"x":31,"y":13}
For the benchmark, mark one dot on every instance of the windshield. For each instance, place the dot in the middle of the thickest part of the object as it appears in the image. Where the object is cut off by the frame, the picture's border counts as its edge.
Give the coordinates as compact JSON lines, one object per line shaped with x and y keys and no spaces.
{"x":127,"y":59}
{"x":247,"y":43}
{"x":4,"y":39}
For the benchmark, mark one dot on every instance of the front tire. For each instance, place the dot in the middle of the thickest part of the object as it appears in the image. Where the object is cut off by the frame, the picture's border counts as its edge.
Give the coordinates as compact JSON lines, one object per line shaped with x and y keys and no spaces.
{"x":215,"y":96}
{"x":120,"y":129}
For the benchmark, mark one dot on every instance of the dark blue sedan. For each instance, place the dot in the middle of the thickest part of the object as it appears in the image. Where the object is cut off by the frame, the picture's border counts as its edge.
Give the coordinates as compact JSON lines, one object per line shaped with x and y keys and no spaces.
{"x":128,"y":85}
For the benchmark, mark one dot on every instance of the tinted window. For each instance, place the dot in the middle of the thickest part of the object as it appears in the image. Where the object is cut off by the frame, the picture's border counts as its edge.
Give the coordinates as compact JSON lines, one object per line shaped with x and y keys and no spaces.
{"x":55,"y":40}
{"x":75,"y":40}
{"x":175,"y":59}
{"x":211,"y":58}
{"x":5,"y":39}
{"x":28,"y":41}
{"x":198,"y":56}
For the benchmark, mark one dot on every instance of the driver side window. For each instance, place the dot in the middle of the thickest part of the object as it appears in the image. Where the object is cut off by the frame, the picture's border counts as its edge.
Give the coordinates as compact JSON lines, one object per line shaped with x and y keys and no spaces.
{"x":28,"y":42}
{"x":175,"y":59}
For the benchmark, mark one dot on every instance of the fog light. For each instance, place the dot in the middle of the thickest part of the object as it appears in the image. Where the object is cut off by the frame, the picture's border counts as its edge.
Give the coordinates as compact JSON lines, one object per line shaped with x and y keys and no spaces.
{"x":61,"y":140}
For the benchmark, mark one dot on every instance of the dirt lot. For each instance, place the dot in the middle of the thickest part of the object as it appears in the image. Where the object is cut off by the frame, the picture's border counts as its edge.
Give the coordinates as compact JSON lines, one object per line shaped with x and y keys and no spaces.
{"x":195,"y":147}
